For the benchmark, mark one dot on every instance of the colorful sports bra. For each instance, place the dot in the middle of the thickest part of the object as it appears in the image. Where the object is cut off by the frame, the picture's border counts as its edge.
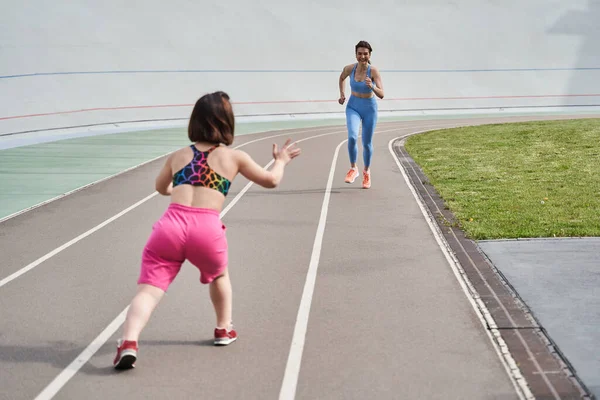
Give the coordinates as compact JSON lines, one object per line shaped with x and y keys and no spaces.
{"x":360,"y":87}
{"x":199,"y":173}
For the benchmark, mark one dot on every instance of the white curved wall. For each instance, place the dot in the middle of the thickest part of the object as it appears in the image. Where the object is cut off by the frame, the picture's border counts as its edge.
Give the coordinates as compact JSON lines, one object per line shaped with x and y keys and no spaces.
{"x":99,"y":62}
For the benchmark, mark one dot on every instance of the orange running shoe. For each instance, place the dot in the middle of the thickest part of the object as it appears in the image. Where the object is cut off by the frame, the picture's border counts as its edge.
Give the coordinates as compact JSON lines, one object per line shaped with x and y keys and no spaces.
{"x":366,"y":179}
{"x":351,"y":175}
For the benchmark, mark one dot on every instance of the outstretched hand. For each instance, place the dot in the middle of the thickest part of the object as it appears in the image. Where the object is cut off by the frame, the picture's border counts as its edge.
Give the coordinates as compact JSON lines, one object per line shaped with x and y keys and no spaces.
{"x":287,"y":153}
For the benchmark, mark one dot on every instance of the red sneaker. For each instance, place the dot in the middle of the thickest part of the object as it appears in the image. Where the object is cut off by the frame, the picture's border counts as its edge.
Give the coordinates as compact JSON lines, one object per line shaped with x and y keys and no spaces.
{"x":223,"y":337}
{"x":126,"y":354}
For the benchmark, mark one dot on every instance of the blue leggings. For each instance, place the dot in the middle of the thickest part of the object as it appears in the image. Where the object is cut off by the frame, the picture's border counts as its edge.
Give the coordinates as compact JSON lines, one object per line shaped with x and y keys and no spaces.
{"x":358,"y":110}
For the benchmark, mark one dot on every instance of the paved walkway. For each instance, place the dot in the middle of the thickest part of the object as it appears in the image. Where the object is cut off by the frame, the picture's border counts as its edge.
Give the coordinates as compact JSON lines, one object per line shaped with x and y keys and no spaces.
{"x":559,"y":281}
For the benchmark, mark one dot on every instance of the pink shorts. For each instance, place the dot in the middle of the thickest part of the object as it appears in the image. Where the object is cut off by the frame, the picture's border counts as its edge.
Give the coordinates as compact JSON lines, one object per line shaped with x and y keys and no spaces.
{"x":184,"y":233}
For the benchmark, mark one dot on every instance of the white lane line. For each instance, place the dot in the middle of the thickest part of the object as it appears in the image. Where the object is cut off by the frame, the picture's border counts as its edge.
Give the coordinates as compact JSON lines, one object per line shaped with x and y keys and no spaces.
{"x":244,"y":190}
{"x":292,"y":368}
{"x":72,"y":242}
{"x":483,"y":314}
{"x":60,"y":196}
{"x":82,"y":358}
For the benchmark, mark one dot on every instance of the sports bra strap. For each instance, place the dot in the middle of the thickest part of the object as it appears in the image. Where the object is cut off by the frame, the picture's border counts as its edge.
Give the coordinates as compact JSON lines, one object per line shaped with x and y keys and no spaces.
{"x":196,"y":151}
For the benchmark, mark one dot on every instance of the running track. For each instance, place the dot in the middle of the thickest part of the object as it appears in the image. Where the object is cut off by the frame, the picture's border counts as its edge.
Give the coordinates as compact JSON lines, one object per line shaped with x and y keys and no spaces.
{"x":339,"y":292}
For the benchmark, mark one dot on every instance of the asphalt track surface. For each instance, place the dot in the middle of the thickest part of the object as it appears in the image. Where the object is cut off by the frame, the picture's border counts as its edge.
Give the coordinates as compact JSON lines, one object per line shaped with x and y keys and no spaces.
{"x":339,"y":292}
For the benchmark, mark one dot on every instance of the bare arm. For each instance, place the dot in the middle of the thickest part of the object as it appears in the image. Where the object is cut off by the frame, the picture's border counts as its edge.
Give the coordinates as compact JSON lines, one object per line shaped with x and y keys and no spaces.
{"x":257,"y":174}
{"x":164,"y":182}
{"x":267,"y":178}
{"x":345,"y":73}
{"x":378,"y":89}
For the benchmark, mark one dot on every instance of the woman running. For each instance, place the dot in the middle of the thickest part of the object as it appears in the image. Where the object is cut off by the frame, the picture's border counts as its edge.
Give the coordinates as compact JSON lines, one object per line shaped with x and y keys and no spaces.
{"x":365,"y":80}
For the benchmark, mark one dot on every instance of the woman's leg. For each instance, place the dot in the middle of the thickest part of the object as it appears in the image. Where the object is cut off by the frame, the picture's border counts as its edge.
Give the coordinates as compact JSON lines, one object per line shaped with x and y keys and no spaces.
{"x":353,"y":123}
{"x":369,"y":123}
{"x":160,"y":265}
{"x":221,"y":297}
{"x":140,"y":309}
{"x":369,"y":113}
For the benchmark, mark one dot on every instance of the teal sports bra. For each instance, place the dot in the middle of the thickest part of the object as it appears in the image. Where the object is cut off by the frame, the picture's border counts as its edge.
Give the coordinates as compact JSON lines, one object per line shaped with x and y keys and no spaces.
{"x":360,"y":87}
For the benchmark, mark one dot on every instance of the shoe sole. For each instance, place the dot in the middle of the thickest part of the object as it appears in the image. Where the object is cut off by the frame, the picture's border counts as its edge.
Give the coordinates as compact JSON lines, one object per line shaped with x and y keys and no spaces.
{"x":224,"y":342}
{"x":127,"y":361}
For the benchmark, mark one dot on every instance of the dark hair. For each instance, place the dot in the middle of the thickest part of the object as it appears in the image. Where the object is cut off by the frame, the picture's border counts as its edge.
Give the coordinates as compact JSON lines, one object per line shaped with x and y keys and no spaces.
{"x":212,"y":119}
{"x":364,"y":44}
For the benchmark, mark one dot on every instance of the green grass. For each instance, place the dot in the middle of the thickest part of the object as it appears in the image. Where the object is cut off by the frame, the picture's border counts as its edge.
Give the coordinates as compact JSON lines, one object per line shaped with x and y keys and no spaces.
{"x":535,"y":179}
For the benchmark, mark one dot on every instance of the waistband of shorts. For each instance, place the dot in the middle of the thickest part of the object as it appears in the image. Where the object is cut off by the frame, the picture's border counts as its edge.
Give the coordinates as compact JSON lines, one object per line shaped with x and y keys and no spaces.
{"x":197,"y":210}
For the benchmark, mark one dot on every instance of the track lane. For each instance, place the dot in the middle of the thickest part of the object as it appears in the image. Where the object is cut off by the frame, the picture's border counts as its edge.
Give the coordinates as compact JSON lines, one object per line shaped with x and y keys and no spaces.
{"x":54,"y":349}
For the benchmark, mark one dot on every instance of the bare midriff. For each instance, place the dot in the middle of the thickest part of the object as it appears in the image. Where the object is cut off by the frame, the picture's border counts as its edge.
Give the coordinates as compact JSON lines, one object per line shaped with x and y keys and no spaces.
{"x":362,"y":95}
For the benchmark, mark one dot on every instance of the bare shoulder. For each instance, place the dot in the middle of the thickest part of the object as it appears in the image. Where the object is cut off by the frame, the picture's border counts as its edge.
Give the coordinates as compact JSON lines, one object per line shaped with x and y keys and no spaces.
{"x":238,"y":155}
{"x":181,"y":153}
{"x":178,"y":158}
{"x":227,"y":153}
{"x":348,"y":68}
